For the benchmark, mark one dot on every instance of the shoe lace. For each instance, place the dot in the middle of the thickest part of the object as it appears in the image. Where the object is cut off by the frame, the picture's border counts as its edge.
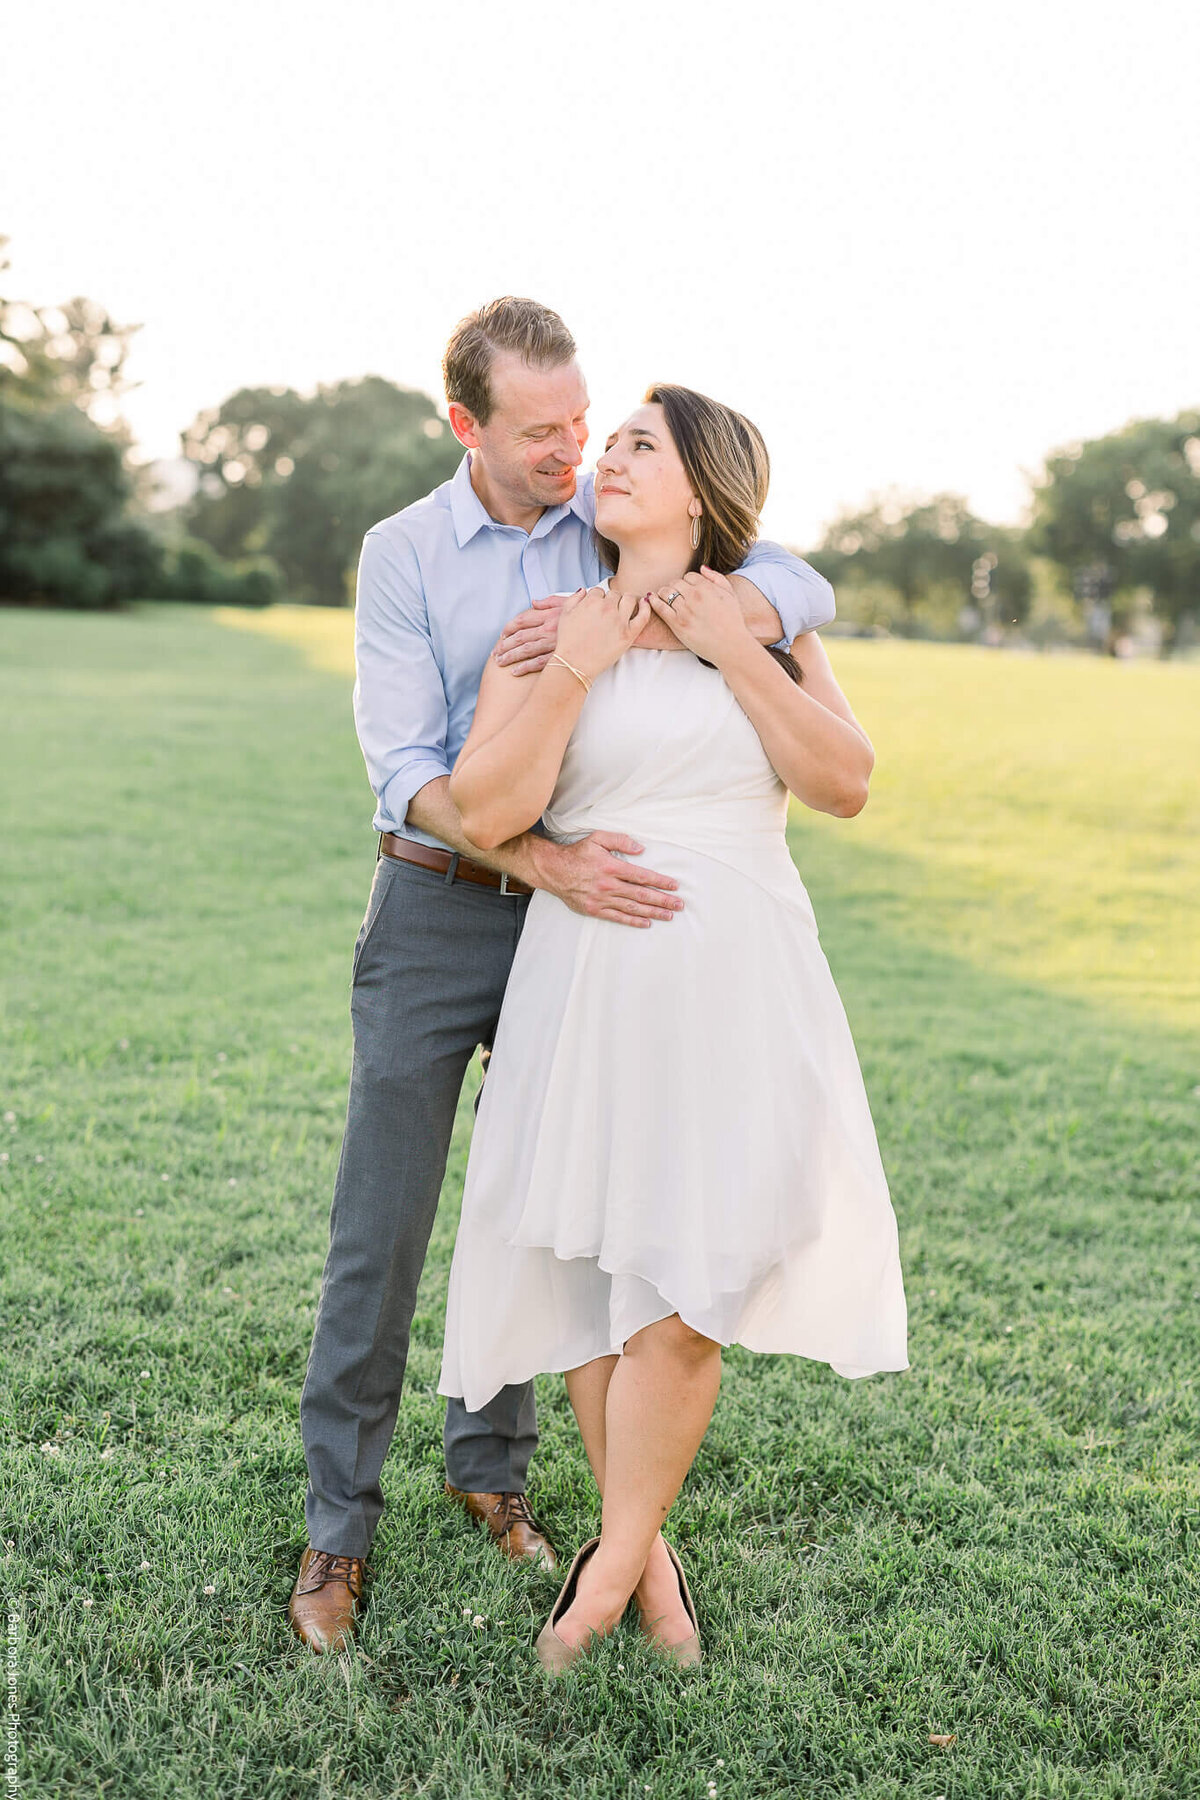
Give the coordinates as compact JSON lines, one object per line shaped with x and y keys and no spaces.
{"x":325,"y":1566}
{"x":513,"y":1509}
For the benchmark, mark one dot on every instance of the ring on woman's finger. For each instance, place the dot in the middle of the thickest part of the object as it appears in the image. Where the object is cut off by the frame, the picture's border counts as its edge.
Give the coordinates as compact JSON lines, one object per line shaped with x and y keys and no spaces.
{"x":672,"y":597}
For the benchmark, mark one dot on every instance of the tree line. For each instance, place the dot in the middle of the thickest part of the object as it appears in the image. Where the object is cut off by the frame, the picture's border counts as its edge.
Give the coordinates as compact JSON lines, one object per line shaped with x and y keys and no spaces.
{"x":285,"y":485}
{"x":1114,"y":528}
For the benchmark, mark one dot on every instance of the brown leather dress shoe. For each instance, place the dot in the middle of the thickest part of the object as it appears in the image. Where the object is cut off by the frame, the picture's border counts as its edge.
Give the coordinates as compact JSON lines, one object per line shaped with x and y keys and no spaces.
{"x":324,"y":1602}
{"x":511,"y":1525}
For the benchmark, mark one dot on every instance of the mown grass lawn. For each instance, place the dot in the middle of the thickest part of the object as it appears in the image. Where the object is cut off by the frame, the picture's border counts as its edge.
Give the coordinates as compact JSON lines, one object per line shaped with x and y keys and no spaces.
{"x":998,"y":1546}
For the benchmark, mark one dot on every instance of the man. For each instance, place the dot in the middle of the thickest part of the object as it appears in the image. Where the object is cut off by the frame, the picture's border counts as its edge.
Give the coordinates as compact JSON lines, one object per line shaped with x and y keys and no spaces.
{"x":437,"y":583}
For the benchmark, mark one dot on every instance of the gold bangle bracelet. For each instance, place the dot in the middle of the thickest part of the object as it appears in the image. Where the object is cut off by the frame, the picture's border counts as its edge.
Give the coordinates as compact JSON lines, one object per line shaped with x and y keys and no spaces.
{"x":577,"y":673}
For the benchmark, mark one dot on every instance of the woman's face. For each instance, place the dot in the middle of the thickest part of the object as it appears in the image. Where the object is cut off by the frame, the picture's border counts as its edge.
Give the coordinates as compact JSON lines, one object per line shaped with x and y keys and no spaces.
{"x":641,"y":485}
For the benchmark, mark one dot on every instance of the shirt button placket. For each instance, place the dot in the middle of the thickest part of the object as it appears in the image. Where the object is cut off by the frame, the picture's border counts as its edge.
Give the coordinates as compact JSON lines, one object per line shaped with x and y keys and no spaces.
{"x":531,"y":568}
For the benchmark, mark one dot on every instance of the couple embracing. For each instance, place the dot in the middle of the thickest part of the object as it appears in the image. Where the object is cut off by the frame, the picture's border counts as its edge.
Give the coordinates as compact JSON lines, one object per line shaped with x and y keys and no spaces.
{"x":582,"y":708}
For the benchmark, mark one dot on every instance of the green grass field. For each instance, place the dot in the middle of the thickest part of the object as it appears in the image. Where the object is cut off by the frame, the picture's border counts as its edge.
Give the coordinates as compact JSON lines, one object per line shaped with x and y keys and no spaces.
{"x":998,"y":1545}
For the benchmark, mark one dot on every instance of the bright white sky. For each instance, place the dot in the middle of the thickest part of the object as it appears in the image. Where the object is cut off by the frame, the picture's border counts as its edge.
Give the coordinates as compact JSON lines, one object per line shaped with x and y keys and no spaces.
{"x":919,"y":244}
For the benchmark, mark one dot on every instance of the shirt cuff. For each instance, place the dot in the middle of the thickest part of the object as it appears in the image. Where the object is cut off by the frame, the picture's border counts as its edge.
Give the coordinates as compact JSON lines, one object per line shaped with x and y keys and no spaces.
{"x":399,"y":789}
{"x":802,"y":605}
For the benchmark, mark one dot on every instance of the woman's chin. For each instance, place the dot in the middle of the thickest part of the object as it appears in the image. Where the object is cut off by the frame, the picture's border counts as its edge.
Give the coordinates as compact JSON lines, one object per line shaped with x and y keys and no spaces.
{"x":609,"y":518}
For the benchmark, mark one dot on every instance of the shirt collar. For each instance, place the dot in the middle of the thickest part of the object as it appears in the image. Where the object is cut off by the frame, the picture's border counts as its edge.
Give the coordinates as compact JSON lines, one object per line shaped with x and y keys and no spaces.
{"x":470,"y":515}
{"x":466,"y":508}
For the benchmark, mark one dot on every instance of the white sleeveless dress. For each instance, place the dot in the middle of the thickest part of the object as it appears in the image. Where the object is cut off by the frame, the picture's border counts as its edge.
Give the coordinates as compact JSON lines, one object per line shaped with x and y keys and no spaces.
{"x":674,"y":1119}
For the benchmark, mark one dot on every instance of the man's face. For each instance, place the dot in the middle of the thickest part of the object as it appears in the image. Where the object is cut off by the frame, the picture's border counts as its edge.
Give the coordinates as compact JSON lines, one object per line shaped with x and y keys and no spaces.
{"x":533,"y":443}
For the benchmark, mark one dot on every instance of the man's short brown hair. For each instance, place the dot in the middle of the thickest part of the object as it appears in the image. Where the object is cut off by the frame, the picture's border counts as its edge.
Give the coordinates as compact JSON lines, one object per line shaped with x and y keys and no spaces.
{"x":532,"y":332}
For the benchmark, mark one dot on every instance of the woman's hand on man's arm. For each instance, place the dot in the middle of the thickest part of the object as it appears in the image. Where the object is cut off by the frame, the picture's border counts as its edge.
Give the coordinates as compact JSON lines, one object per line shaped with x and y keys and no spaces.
{"x":528,"y":642}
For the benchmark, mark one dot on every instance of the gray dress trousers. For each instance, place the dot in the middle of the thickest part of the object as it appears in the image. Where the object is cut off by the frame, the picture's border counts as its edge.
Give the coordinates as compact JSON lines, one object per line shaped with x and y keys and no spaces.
{"x":429,"y":972}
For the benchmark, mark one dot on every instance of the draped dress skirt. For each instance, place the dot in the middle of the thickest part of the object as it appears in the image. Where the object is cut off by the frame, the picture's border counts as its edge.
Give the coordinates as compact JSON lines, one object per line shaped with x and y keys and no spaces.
{"x":674,"y":1119}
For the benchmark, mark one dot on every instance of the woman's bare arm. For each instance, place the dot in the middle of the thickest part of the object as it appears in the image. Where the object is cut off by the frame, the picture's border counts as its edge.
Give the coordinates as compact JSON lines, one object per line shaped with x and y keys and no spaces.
{"x":506,"y":770}
{"x":816,"y":745}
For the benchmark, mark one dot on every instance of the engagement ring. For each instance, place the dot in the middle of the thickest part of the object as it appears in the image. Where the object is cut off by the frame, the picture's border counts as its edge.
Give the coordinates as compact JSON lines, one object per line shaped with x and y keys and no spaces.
{"x":672,"y":597}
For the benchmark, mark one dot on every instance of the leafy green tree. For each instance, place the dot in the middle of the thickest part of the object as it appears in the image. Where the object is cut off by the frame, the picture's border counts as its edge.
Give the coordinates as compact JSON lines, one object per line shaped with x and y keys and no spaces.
{"x":67,"y":536}
{"x":74,"y":354}
{"x":68,"y":532}
{"x":935,"y":558}
{"x":1123,"y":511}
{"x":300,"y":478}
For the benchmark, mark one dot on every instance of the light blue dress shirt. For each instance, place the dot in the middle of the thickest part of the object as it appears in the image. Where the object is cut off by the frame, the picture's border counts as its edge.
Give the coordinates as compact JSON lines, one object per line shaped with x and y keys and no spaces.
{"x":437,"y":584}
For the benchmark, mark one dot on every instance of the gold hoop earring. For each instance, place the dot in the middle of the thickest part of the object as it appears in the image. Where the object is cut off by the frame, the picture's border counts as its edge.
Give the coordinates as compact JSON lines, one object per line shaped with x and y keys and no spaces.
{"x":695,"y":534}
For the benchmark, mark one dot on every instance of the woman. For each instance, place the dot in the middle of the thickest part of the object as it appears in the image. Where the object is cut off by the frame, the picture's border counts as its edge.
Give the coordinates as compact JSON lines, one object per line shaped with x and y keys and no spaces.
{"x":674,"y":1149}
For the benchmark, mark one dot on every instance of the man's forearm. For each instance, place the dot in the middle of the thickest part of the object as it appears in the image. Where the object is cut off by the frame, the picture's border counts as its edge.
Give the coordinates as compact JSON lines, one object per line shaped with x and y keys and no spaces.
{"x":591,"y":877}
{"x":431,"y":809}
{"x":762,"y":621}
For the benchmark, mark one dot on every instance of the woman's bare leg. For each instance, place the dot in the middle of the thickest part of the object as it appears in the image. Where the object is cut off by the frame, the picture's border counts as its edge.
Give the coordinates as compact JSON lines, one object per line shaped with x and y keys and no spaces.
{"x":659,"y":1400}
{"x":657,"y":1592}
{"x":587,"y":1390}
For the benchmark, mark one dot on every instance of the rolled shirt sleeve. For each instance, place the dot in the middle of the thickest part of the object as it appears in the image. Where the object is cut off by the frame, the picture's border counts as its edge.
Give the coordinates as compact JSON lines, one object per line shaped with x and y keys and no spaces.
{"x":400,"y":710}
{"x":802,"y":598}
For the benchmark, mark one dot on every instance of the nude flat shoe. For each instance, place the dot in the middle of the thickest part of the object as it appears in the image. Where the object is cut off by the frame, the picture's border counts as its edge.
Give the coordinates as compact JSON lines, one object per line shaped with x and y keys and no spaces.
{"x":554,"y":1653}
{"x":686,"y":1653}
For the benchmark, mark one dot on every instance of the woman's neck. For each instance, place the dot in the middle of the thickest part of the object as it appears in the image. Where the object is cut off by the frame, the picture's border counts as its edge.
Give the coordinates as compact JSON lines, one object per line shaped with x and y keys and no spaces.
{"x":655,"y":634}
{"x":646,"y":567}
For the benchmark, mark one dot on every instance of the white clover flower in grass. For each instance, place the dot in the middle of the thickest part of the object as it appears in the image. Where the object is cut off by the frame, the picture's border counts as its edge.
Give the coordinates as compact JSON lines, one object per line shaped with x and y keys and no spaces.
{"x":145,"y":1375}
{"x":210,"y":1589}
{"x":143,"y":1565}
{"x":3,"y":1155}
{"x":479,"y":1621}
{"x":10,"y":1118}
{"x":39,"y":1159}
{"x":50,"y":1449}
{"x":233,"y":1181}
{"x":87,"y":1600}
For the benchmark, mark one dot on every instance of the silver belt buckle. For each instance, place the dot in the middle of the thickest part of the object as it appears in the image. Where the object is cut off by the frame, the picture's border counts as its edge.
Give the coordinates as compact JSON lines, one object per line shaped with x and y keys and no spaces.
{"x":504,"y":884}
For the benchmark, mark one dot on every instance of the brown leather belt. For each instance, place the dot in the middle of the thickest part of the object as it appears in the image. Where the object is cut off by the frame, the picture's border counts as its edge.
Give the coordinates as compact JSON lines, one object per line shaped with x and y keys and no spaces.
{"x":444,"y":862}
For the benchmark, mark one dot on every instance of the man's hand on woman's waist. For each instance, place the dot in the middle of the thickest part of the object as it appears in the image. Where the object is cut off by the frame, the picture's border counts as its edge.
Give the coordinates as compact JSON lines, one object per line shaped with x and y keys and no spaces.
{"x":590,"y":876}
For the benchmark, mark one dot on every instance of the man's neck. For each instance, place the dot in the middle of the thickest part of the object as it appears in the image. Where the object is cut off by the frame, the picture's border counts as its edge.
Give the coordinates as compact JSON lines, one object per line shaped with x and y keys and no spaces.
{"x":501,"y":507}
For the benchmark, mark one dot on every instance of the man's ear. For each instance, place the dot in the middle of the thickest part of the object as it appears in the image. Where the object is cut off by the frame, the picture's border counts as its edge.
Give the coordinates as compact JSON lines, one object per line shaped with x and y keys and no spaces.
{"x":464,"y":426}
